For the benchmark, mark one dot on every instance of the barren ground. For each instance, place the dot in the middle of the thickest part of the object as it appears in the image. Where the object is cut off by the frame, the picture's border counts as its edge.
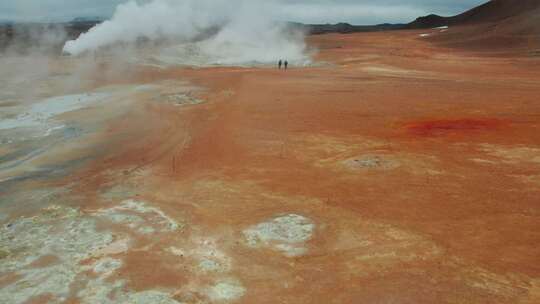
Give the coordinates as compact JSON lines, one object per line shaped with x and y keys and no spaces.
{"x":397,"y":172}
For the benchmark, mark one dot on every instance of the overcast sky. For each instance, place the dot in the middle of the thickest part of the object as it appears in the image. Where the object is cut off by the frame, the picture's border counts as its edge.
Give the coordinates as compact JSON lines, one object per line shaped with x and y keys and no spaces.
{"x":309,"y":11}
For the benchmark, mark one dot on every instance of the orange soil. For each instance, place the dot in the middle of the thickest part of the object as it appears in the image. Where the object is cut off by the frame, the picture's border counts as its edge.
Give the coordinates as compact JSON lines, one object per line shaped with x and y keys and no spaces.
{"x":452,"y":218}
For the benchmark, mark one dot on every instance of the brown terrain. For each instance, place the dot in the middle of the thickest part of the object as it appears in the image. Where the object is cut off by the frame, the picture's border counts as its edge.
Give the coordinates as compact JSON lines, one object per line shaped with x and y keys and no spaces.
{"x":496,"y":26}
{"x":405,"y":169}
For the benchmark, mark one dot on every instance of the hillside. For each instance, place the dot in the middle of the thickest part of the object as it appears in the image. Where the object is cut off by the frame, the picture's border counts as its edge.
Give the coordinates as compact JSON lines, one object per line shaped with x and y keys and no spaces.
{"x":497,"y":26}
{"x":492,"y":11}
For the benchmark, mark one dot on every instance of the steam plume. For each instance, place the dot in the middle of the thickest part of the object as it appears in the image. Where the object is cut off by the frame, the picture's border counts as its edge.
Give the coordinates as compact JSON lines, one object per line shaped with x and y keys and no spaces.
{"x":205,"y":31}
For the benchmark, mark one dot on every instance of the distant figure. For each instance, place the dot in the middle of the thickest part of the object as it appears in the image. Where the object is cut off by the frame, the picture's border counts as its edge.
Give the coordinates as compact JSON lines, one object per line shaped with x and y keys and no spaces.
{"x":286,"y":64}
{"x":280,"y":63}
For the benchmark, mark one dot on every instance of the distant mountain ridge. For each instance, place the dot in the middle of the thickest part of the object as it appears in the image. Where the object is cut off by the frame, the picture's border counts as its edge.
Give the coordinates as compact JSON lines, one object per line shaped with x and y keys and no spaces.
{"x":498,"y":26}
{"x":87,"y":19}
{"x":492,"y":11}
{"x":344,"y":28}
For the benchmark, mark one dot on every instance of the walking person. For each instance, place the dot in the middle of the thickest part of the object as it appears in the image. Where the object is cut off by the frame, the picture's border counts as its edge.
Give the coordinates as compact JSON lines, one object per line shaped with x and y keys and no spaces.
{"x":280,"y":63}
{"x":286,"y":64}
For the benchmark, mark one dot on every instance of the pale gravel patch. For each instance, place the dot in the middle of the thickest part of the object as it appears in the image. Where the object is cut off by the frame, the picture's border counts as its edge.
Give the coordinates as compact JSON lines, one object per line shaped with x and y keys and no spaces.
{"x":106,"y":266}
{"x":100,"y":291}
{"x":176,"y":251}
{"x":504,"y":285}
{"x":72,"y":237}
{"x":59,"y":231}
{"x":530,"y":181}
{"x":181,"y":99}
{"x":286,"y":234}
{"x":371,"y":161}
{"x":150,"y":297}
{"x":206,"y":254}
{"x":211,"y":257}
{"x":513,"y":154}
{"x":389,"y":70}
{"x":139,"y":216}
{"x":117,"y":247}
{"x":144,"y":208}
{"x":228,"y":290}
{"x":483,"y":161}
{"x":210,"y":265}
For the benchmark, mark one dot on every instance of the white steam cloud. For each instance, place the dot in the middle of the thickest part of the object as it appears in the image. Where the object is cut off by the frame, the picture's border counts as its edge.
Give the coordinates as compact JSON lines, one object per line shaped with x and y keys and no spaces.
{"x":202,"y":31}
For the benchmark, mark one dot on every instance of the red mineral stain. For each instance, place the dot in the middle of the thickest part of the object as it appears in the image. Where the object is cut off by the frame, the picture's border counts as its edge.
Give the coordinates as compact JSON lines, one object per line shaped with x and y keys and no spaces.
{"x":451,"y":126}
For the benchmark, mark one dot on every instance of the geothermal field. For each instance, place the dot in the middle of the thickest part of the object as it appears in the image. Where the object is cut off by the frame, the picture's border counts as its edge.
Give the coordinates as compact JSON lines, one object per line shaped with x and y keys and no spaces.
{"x":153,"y":165}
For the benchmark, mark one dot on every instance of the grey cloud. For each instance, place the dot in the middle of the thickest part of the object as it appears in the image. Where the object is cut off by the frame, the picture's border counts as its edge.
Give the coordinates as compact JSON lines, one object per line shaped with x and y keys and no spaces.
{"x":370,"y":12}
{"x":53,"y":10}
{"x":312,"y":11}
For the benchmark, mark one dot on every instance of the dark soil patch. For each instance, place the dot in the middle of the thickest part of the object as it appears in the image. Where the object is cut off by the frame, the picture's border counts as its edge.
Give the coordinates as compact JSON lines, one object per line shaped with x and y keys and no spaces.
{"x":452,"y":126}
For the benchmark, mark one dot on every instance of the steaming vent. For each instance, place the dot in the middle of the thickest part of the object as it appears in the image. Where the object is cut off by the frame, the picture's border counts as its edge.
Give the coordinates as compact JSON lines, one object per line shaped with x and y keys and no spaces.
{"x":197,"y":32}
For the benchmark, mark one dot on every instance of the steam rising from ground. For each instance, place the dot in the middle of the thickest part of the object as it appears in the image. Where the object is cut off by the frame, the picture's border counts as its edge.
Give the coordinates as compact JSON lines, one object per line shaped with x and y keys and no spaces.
{"x":198,"y":32}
